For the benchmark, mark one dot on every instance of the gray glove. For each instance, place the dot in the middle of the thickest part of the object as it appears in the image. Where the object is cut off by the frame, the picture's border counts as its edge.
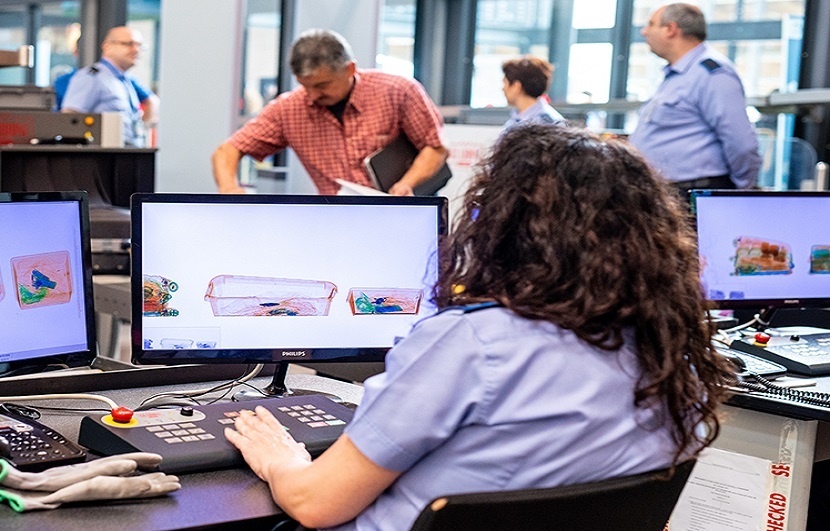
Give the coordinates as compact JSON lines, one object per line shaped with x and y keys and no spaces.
{"x":102,"y":479}
{"x":59,"y":477}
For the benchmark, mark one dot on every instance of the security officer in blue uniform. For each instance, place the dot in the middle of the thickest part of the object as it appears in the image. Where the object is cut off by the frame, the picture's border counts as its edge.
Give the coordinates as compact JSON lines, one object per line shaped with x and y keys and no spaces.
{"x":695,"y":130}
{"x":107,"y":87}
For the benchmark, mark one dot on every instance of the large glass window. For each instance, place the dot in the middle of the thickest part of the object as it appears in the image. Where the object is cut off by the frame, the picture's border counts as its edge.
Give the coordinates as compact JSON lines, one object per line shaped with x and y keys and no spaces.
{"x":594,"y":14}
{"x":260,"y":84}
{"x":144,"y":16}
{"x":13,"y":21}
{"x":262,"y":55}
{"x":54,"y":41}
{"x":589,"y":72}
{"x":504,"y":30}
{"x":396,"y":38}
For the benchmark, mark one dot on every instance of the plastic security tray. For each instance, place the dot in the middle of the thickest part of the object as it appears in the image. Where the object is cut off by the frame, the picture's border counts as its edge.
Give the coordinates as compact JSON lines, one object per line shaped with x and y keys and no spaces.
{"x":756,"y":256}
{"x":42,"y":279}
{"x":373,"y":301}
{"x":232,"y":295}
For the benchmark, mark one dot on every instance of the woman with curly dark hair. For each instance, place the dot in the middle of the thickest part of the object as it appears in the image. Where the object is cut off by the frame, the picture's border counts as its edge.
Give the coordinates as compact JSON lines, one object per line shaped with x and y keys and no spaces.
{"x":571,"y":347}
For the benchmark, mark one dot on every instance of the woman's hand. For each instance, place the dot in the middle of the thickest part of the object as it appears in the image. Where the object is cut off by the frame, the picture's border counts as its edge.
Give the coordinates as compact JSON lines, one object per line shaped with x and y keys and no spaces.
{"x":265,"y":443}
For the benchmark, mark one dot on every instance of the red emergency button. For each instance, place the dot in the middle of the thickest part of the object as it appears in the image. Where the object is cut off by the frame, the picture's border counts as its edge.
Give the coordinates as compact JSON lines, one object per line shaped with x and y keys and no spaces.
{"x":761,"y":339}
{"x":122,"y":415}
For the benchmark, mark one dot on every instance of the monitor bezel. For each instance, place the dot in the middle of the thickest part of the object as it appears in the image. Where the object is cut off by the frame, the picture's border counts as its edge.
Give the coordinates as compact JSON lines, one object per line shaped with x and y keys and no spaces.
{"x":737,"y":304}
{"x":79,"y":358}
{"x":237,"y":356}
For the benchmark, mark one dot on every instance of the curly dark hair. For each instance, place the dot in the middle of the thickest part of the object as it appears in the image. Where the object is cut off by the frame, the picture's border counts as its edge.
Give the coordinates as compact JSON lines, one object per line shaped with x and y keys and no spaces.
{"x":562,"y":226}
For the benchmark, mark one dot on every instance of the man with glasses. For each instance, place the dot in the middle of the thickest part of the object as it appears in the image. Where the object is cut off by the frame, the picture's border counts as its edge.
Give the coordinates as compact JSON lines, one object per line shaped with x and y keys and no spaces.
{"x":695,"y":129}
{"x":107,"y":87}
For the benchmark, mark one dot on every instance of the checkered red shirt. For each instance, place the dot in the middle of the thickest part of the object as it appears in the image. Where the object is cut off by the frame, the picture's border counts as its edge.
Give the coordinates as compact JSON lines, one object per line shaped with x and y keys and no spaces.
{"x":380,"y":107}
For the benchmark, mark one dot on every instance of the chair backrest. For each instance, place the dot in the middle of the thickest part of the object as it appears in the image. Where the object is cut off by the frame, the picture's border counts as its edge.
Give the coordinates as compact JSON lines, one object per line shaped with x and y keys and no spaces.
{"x":632,"y":503}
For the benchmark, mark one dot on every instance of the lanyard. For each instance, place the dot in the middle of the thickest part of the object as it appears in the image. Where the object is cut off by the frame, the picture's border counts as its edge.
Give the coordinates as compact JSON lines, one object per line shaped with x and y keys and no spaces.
{"x":132,"y":95}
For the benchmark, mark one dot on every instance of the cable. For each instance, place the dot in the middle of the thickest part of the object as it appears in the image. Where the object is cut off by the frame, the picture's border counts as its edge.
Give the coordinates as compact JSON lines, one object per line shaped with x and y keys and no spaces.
{"x":200,"y":392}
{"x":113,"y":406}
{"x":764,"y":386}
{"x":62,"y":396}
{"x":755,"y":319}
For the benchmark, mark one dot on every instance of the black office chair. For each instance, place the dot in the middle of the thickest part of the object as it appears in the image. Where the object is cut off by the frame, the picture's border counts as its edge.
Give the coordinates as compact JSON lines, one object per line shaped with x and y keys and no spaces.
{"x":632,"y":503}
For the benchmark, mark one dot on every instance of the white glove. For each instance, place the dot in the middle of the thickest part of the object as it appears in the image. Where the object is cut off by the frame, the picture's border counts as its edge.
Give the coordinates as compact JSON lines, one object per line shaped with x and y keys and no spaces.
{"x":102,"y":479}
{"x":97,"y":488}
{"x":59,"y":477}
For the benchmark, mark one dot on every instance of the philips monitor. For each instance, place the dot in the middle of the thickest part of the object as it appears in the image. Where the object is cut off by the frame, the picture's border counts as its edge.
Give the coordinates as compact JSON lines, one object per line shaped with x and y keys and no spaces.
{"x":280,"y":278}
{"x":47,"y":319}
{"x":763,"y":249}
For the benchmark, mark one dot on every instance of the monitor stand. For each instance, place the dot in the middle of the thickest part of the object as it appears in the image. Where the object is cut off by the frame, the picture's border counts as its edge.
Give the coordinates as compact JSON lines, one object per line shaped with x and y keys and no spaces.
{"x":278,"y":389}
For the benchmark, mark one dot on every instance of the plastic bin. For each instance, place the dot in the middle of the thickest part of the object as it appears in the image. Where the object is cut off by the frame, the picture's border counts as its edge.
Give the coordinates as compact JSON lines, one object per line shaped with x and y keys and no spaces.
{"x":42,"y":279}
{"x":756,"y":256}
{"x":157,"y":294}
{"x":819,"y":261}
{"x":232,"y":295}
{"x":379,"y":301}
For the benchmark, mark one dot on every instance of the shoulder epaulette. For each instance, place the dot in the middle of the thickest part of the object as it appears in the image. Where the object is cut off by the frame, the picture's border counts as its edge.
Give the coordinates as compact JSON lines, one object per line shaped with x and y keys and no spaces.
{"x":470,"y":308}
{"x":710,"y":64}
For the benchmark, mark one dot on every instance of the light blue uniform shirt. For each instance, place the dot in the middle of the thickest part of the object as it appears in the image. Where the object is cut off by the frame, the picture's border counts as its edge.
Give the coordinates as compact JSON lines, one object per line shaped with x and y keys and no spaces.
{"x":102,"y":87}
{"x":487,"y":400}
{"x":539,"y":112}
{"x":696,"y":126}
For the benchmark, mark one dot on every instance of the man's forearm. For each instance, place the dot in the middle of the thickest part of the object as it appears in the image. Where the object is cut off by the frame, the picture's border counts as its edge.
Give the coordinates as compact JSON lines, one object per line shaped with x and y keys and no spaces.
{"x":225,"y":162}
{"x":425,"y":165}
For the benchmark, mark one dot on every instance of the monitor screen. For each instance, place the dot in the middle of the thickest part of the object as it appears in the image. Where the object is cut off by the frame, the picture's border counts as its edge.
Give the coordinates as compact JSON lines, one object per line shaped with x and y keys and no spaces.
{"x":272,"y":278}
{"x":764,"y":249}
{"x":46,"y":307}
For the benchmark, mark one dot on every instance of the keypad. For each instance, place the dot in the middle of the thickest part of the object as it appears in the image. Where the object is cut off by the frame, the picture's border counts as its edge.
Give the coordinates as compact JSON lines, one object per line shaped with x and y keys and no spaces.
{"x":189,"y":432}
{"x":312,"y":416}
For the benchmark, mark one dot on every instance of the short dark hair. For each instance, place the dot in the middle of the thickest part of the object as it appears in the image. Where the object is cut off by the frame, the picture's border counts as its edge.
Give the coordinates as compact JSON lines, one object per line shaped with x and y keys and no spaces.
{"x":688,"y":18}
{"x":532,"y":72}
{"x":562,"y":226}
{"x":316,"y":48}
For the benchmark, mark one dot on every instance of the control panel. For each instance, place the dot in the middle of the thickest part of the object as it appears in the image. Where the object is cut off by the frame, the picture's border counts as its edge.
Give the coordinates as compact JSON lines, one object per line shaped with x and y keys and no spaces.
{"x":192,"y":438}
{"x":802,"y":354}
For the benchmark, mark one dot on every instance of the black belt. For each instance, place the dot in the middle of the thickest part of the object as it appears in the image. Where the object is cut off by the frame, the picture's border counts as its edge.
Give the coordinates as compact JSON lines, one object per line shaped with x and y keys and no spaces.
{"x":720,"y":182}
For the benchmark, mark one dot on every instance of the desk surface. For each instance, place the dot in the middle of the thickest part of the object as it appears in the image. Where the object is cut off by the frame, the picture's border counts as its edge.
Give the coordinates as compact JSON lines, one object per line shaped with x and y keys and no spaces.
{"x":787,"y":407}
{"x":206,"y":499}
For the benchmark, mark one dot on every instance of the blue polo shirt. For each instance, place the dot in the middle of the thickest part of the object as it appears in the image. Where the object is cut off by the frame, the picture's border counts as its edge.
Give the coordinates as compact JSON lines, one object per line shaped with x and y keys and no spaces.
{"x":696,"y":125}
{"x":486,"y":400}
{"x":540,"y":112}
{"x":103,"y":87}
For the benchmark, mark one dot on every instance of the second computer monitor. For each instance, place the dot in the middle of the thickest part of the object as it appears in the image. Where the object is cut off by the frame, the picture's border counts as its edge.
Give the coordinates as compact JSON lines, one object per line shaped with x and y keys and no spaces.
{"x":764,"y":249}
{"x":274,"y":278}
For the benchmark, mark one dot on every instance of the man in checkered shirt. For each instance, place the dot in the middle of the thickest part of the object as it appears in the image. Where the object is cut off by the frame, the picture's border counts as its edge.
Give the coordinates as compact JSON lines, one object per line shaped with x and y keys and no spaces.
{"x":337,"y":117}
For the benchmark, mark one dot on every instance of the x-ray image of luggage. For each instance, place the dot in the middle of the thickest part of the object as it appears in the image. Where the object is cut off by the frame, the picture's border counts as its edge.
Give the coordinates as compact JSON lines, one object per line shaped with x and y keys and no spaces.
{"x":158,"y":291}
{"x":42,"y":279}
{"x":371,"y":301}
{"x":236,"y":295}
{"x":176,"y":344}
{"x":755,"y":256}
{"x":2,"y":291}
{"x":819,"y":259}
